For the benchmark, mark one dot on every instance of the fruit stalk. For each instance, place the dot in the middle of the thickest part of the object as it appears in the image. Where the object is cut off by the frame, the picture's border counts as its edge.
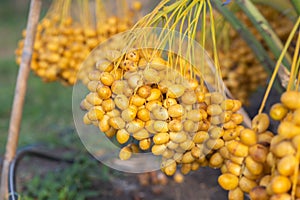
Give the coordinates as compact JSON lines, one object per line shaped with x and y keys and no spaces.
{"x":276,"y":68}
{"x":20,"y":92}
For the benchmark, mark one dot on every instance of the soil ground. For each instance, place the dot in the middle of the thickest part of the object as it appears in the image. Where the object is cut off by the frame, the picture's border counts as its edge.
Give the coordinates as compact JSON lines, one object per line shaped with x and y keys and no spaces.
{"x":198,"y":185}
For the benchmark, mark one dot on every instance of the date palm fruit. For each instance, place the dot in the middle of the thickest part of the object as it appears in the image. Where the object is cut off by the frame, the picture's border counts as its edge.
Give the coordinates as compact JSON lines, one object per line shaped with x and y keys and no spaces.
{"x":284,"y":156}
{"x":245,"y":159}
{"x":183,"y":122}
{"x":62,"y":43}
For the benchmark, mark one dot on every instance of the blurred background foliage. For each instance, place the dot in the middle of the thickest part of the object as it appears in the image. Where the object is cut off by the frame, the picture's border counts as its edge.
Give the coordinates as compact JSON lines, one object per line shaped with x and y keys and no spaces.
{"x":47,"y":112}
{"x":47,"y":119}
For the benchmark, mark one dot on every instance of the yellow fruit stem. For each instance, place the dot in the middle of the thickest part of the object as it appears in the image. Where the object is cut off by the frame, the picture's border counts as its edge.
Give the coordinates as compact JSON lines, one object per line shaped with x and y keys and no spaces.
{"x":298,"y":79}
{"x":203,"y":40}
{"x":86,"y":20}
{"x":295,"y":65}
{"x":296,"y":172}
{"x":177,"y":19}
{"x":158,"y":15}
{"x":183,"y":16}
{"x":122,"y":8}
{"x":179,"y":15}
{"x":155,"y":15}
{"x":213,"y":33}
{"x":278,"y":63}
{"x":55,"y":8}
{"x":100,"y":13}
{"x":177,"y":59}
{"x":190,"y":43}
{"x":65,"y":9}
{"x":190,"y":33}
{"x":222,"y":30}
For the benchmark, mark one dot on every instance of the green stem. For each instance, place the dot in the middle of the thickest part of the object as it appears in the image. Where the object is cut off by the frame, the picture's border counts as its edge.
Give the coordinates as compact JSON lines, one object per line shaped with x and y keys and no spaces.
{"x":264,"y":28}
{"x":296,"y":4}
{"x":283,"y":6}
{"x":253,"y":43}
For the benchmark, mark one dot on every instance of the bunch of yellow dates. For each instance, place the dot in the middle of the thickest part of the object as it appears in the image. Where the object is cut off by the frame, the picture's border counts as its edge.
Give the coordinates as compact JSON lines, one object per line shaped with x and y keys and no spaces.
{"x":148,"y":104}
{"x":63,"y":42}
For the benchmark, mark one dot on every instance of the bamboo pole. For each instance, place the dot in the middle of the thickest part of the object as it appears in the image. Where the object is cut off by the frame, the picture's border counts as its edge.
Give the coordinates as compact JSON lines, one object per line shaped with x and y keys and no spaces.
{"x":20,"y":93}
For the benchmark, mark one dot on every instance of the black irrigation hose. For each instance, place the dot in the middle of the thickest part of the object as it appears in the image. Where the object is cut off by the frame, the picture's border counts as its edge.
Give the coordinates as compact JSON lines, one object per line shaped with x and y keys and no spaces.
{"x":31,"y":151}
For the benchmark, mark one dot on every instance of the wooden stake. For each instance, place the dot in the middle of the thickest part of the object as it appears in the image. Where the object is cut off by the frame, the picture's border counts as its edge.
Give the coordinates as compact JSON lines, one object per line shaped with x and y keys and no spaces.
{"x":20,"y":93}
